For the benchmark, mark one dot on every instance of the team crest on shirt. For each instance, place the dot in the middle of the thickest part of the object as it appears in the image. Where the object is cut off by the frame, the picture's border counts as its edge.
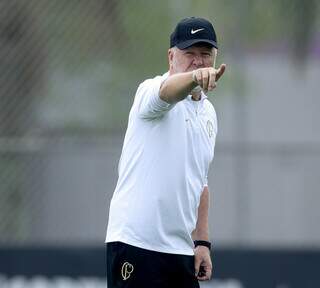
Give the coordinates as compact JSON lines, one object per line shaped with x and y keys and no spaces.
{"x":209,"y":128}
{"x":126,"y":270}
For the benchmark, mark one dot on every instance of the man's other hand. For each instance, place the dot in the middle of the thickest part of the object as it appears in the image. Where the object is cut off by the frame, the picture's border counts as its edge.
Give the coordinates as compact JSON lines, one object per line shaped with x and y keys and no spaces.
{"x":202,"y":263}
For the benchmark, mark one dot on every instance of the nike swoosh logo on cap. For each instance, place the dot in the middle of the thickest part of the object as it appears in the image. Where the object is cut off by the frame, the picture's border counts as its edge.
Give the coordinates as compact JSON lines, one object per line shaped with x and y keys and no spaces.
{"x":195,"y":31}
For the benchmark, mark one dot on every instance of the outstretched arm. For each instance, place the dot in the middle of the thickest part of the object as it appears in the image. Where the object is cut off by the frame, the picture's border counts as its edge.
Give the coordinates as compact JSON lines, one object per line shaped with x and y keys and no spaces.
{"x":178,"y":86}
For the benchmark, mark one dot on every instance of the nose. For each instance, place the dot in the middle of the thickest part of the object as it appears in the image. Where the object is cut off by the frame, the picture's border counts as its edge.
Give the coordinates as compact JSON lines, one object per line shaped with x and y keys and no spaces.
{"x":198,"y":61}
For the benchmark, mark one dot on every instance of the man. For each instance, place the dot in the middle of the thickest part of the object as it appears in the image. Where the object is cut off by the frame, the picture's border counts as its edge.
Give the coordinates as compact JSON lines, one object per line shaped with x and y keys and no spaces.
{"x":157,"y":234}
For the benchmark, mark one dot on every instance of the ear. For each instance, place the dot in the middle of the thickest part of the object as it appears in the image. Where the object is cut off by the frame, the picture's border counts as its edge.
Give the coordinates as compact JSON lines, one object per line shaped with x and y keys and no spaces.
{"x":170,"y":56}
{"x":214,"y":55}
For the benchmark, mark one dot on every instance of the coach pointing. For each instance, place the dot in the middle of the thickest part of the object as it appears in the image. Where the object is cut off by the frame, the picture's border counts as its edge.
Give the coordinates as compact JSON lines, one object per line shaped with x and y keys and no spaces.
{"x":157,"y":233}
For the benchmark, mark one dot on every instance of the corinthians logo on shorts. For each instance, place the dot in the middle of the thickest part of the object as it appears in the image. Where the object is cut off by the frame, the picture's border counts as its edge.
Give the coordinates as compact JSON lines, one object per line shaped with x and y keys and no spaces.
{"x":126,"y":270}
{"x":209,"y":128}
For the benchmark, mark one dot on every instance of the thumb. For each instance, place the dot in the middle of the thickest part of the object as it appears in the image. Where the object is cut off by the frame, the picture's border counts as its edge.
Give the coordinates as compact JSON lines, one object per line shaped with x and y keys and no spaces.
{"x":221,"y":70}
{"x":197,"y":263}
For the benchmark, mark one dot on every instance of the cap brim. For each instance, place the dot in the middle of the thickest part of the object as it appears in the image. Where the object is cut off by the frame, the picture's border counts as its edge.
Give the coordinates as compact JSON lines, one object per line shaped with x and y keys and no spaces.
{"x":187,"y":44}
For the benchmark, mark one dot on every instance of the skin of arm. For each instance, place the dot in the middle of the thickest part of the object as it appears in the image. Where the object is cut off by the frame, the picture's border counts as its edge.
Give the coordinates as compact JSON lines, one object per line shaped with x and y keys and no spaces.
{"x":202,"y":227}
{"x":177,"y":87}
{"x":202,"y":253}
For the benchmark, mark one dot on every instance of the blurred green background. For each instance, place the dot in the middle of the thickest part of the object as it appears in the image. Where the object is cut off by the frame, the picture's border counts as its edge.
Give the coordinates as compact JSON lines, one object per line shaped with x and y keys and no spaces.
{"x":69,"y":70}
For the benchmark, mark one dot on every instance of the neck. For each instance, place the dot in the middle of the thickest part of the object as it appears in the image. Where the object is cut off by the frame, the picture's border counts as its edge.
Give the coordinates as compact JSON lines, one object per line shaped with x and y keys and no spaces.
{"x":196,"y":97}
{"x":196,"y":93}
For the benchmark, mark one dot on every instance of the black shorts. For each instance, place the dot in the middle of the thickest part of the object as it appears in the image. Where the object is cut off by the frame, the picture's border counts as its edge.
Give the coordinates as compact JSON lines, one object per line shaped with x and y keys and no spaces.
{"x":132,"y":267}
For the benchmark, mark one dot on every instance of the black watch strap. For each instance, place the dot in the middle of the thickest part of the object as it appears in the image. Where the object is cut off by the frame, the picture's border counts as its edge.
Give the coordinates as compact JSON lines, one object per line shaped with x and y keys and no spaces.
{"x":202,"y":243}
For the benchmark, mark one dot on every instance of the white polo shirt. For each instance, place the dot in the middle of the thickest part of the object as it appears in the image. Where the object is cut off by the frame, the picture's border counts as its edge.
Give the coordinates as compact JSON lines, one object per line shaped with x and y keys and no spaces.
{"x":163,"y":169}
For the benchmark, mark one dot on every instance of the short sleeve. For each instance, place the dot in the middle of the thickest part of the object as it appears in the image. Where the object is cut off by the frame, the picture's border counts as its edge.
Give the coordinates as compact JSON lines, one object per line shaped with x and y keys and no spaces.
{"x":150,"y":105}
{"x":205,"y":182}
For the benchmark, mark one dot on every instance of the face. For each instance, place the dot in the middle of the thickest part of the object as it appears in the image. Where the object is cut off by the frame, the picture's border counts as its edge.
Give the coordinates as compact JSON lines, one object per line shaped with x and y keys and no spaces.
{"x":191,"y":58}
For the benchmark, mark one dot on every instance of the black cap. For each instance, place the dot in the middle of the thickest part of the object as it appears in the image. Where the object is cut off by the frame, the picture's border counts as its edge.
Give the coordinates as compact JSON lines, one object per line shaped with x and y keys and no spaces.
{"x":190,"y":31}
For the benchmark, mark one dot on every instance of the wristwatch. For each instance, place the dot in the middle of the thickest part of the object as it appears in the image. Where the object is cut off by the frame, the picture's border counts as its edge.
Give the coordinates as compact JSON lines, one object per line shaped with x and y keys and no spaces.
{"x":202,"y":243}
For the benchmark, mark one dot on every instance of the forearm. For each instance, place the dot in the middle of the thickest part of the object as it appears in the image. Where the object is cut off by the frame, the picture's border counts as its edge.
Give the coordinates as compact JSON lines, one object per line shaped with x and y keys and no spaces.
{"x":202,"y":227}
{"x":177,"y":87}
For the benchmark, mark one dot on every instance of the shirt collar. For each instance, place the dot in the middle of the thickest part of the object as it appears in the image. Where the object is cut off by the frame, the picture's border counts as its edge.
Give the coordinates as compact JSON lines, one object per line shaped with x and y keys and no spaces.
{"x":203,"y":97}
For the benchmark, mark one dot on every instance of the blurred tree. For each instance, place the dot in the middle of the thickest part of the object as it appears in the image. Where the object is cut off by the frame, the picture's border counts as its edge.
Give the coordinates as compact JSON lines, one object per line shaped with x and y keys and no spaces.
{"x":113,"y":30}
{"x":21,"y":81}
{"x":302,"y":24}
{"x":21,"y":69}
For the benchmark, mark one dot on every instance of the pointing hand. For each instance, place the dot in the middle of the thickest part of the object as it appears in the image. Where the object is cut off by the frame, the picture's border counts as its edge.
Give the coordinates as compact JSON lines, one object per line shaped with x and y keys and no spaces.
{"x":206,"y":78}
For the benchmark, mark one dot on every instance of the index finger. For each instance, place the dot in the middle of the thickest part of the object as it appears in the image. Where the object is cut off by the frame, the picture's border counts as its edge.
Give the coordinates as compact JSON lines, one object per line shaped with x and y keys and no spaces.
{"x":220,"y":72}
